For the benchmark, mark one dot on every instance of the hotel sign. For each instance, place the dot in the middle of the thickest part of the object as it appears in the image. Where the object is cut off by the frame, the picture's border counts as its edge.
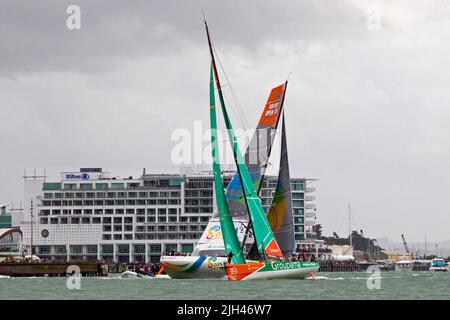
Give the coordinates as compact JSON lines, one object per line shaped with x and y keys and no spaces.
{"x":77,"y":176}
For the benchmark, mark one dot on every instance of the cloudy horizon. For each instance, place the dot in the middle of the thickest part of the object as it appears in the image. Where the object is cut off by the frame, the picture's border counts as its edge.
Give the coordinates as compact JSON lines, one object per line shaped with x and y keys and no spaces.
{"x":366,"y":105}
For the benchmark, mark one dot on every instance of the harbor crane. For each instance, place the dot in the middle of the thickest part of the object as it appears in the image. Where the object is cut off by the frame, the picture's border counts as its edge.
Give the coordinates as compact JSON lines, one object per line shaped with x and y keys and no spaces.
{"x":404,"y":243}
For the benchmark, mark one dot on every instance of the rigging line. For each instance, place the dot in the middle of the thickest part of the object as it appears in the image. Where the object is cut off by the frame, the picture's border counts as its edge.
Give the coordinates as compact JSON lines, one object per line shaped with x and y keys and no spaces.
{"x":236,"y":111}
{"x":236,"y":101}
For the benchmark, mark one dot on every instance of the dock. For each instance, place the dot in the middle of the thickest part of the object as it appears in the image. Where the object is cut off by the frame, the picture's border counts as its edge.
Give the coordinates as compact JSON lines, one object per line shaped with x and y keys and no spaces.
{"x":351,"y":267}
{"x":50,"y":269}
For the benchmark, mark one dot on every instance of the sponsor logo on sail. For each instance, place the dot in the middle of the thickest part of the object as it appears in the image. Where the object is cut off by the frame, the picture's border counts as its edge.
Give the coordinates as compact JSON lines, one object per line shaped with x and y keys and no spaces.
{"x":214,"y":233}
{"x":273,"y":109}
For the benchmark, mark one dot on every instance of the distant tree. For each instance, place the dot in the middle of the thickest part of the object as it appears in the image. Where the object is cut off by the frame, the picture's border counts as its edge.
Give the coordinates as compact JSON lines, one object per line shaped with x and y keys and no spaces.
{"x":317,"y":229}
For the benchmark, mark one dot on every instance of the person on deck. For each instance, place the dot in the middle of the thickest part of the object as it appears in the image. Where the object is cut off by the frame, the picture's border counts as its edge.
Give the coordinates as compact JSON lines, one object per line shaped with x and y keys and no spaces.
{"x":230,"y":256}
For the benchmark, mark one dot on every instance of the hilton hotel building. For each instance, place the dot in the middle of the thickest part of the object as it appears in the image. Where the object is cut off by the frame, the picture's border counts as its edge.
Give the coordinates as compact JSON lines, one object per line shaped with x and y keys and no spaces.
{"x":91,"y":215}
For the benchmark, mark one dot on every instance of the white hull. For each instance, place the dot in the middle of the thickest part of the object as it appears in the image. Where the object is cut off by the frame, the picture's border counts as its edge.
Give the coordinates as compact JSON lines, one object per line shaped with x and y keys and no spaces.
{"x":438,"y":269}
{"x":194,"y":267}
{"x":131,"y":274}
{"x":283,"y":274}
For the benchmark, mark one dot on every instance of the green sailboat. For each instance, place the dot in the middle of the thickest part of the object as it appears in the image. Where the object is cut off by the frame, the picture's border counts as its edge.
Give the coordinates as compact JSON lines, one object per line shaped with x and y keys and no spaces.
{"x":273,"y":264}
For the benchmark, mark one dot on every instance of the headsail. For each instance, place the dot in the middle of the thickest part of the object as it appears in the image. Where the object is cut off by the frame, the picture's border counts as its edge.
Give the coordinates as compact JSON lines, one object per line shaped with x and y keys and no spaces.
{"x":230,"y":238}
{"x":280,"y":212}
{"x":258,"y":151}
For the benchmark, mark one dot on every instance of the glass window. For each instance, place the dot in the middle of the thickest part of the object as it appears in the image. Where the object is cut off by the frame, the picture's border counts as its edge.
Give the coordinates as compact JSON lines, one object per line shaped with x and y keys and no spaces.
{"x":51,"y":186}
{"x":86,"y":186}
{"x":297,"y":195}
{"x":101,"y":186}
{"x":297,"y":185}
{"x":128,"y":220}
{"x":123,"y":248}
{"x":107,"y":248}
{"x":297,"y":203}
{"x":117,"y":186}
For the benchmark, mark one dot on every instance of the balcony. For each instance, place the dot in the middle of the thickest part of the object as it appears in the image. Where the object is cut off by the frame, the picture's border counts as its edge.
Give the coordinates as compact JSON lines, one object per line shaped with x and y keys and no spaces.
{"x":310,"y":198}
{"x":310,"y":206}
{"x":310,"y":214}
{"x":310,"y":189}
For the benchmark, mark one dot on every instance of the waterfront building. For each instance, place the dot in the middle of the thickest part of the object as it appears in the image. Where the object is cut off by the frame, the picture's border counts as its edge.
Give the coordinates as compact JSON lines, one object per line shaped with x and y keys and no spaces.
{"x":5,"y":217}
{"x":91,"y":215}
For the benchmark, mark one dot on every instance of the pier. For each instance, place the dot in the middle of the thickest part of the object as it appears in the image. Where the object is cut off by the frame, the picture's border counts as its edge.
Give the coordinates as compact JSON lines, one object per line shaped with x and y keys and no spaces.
{"x":331,"y":267}
{"x":50,"y":269}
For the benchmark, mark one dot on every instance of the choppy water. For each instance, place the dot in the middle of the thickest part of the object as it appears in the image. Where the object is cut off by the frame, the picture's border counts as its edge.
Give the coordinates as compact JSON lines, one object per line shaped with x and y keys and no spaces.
{"x":393,"y":285}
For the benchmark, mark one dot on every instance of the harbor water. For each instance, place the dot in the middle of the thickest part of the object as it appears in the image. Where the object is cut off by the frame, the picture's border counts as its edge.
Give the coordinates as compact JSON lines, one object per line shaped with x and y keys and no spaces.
{"x":348,"y":285}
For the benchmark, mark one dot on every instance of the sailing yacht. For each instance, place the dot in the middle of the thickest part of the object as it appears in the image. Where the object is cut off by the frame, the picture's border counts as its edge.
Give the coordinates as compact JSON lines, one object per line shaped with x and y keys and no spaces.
{"x":272,"y":264}
{"x":209,"y":256}
{"x":239,"y":208}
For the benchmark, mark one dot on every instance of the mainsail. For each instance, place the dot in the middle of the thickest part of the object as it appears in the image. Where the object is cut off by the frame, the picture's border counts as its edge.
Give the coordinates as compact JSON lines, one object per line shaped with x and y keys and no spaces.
{"x":280,"y":212}
{"x":230,"y":238}
{"x":256,"y":159}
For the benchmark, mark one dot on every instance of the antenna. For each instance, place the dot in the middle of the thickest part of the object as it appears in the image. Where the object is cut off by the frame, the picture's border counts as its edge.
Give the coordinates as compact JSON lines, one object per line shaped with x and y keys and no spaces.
{"x":203,"y":15}
{"x":288,"y":78}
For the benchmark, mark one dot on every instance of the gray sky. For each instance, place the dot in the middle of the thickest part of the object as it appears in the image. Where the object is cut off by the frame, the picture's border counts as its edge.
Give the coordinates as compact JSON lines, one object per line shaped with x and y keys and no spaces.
{"x":367,"y":109}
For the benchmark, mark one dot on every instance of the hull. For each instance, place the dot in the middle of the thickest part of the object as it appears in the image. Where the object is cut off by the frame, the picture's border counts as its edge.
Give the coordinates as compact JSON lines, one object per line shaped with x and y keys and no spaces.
{"x":271,"y":270}
{"x":194,"y":267}
{"x":131,"y":274}
{"x":438,"y":269}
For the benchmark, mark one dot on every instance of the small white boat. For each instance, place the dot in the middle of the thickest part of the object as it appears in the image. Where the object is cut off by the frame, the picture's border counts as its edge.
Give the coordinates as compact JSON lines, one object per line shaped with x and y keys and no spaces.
{"x":438,"y":265}
{"x":403,"y":265}
{"x":131,"y":274}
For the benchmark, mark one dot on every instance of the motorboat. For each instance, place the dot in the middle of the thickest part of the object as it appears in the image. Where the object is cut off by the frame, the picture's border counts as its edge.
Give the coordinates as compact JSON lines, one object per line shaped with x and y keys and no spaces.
{"x":438,"y":265}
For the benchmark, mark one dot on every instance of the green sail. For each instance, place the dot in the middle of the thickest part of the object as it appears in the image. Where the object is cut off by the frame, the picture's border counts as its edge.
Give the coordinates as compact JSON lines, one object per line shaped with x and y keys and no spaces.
{"x":230,"y":238}
{"x":266,"y":242}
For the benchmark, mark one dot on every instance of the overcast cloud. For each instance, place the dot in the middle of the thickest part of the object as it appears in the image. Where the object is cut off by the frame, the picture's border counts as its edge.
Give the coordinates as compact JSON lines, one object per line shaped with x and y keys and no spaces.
{"x":367,"y":110}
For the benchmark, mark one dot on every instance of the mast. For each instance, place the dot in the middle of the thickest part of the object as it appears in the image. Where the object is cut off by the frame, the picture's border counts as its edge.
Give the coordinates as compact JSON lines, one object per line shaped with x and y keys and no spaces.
{"x":31,"y":229}
{"x":350,"y":223}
